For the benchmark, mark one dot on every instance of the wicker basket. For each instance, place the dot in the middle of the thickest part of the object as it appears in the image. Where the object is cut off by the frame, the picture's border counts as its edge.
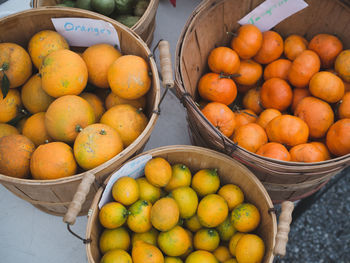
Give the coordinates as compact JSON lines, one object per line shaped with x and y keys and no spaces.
{"x":206,"y":29}
{"x":144,"y":27}
{"x":230,"y":171}
{"x":54,"y":196}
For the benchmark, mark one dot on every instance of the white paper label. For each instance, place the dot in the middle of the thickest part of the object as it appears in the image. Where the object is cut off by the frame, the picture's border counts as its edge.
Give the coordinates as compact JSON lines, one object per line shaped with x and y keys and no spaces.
{"x":271,"y":12}
{"x":85,"y":32}
{"x":134,"y":169}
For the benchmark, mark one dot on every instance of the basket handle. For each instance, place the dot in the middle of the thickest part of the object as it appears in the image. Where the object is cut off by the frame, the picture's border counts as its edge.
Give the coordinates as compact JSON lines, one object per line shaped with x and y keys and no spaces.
{"x":283,"y":228}
{"x":79,"y":198}
{"x":165,"y":64}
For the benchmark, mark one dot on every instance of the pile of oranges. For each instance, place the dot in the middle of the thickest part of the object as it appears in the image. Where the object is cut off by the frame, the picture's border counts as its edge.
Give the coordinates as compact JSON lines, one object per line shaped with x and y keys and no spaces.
{"x":171,"y":216}
{"x":81,"y":109}
{"x":282,"y":99}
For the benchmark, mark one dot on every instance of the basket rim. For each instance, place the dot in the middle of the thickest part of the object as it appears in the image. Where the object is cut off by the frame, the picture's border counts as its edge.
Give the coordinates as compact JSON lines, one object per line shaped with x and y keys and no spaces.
{"x":188,"y":100}
{"x":152,"y":120}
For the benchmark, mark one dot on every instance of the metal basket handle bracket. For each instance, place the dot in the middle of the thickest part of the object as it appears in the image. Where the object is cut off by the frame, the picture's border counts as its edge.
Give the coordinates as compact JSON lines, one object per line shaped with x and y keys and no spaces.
{"x":79,"y":198}
{"x":283,"y":228}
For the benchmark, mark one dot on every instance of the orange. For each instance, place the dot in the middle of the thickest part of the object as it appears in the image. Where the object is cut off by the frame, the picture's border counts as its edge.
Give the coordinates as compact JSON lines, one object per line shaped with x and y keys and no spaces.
{"x":181,"y":176}
{"x":190,"y":248}
{"x":187,"y":200}
{"x":266,"y":116}
{"x":276,"y":94}
{"x":116,"y":256}
{"x":212,"y":210}
{"x":232,"y":194}
{"x":174,"y":242}
{"x":158,"y":172}
{"x":249,"y":73}
{"x":66,"y":116}
{"x":125,"y":190}
{"x":193,"y":223}
{"x":95,"y":145}
{"x":243,"y":117}
{"x":222,"y":253}
{"x":113,"y":99}
{"x":96,"y":104}
{"x":298,"y":95}
{"x":128,"y":77}
{"x":344,"y":106}
{"x":252,"y":100}
{"x":248,"y":41}
{"x":9,"y":106}
{"x":206,"y":239}
{"x":63,"y":72}
{"x":15,"y":154}
{"x":34,"y":98}
{"x":277,"y":69}
{"x":271,"y":48}
{"x":226,"y":229}
{"x":342,"y":65}
{"x":250,"y":137}
{"x":233,"y":242}
{"x":307,"y":153}
{"x":148,"y":191}
{"x":149,"y":237}
{"x":338,"y":137}
{"x":223,"y":60}
{"x":317,"y":114}
{"x":172,"y":260}
{"x":20,"y":124}
{"x":34,"y":129}
{"x":117,"y":238}
{"x":274,"y":150}
{"x":250,"y":249}
{"x":245,"y":217}
{"x":206,"y":181}
{"x":288,"y":130}
{"x":139,"y":219}
{"x":143,"y":252}
{"x":98,"y":59}
{"x":201,"y":256}
{"x":221,"y":116}
{"x":323,"y":148}
{"x":113,"y":215}
{"x":165,"y":214}
{"x":294,"y":45}
{"x":43,"y":43}
{"x":7,"y":129}
{"x":327,"y":86}
{"x":15,"y":63}
{"x":53,"y":160}
{"x":128,"y":121}
{"x":231,"y":260}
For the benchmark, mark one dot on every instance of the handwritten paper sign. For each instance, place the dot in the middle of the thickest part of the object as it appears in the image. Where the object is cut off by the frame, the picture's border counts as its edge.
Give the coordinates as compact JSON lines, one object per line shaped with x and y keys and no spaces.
{"x":134,"y":169}
{"x":271,"y":12}
{"x":85,"y":32}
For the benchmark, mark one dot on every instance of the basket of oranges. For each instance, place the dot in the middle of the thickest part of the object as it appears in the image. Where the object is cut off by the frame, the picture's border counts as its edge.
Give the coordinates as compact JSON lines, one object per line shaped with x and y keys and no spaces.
{"x":73,"y":123}
{"x":183,"y":204}
{"x":277,"y":101}
{"x":138,"y":15}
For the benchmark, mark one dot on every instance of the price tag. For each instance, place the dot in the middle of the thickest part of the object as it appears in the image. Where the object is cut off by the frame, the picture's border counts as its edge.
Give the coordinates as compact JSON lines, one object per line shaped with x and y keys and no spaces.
{"x":271,"y":12}
{"x":85,"y":32}
{"x":134,"y":169}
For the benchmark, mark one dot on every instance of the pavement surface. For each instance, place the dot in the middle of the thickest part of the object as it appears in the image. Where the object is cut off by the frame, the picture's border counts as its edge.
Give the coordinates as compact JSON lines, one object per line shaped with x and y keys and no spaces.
{"x":321,"y":234}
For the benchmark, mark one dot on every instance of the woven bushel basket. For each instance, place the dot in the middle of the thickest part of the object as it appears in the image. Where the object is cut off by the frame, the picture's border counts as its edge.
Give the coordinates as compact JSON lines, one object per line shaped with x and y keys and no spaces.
{"x":206,"y":29}
{"x":144,"y":27}
{"x":196,"y":158}
{"x":54,"y":196}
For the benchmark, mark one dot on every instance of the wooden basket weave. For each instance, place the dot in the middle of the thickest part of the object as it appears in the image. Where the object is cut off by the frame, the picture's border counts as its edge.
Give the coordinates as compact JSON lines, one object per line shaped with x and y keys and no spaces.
{"x":206,"y":29}
{"x":54,"y":196}
{"x":144,"y":27}
{"x":229,"y":170}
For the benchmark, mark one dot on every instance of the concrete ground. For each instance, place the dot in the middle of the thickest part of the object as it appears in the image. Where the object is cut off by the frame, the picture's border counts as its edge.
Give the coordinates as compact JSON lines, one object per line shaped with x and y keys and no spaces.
{"x":322,"y":234}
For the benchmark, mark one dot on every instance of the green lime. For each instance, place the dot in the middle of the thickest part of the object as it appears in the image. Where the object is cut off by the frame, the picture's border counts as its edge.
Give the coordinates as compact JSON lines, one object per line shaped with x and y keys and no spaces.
{"x":67,"y":3}
{"x":83,"y":4}
{"x":129,"y":21}
{"x":104,"y":7}
{"x":141,"y":7}
{"x":124,"y":7}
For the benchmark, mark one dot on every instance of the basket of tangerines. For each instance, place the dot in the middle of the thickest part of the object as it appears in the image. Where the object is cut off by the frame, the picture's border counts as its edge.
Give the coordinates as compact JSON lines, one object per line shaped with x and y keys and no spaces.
{"x":183,"y":204}
{"x":277,"y":101}
{"x":65,"y":111}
